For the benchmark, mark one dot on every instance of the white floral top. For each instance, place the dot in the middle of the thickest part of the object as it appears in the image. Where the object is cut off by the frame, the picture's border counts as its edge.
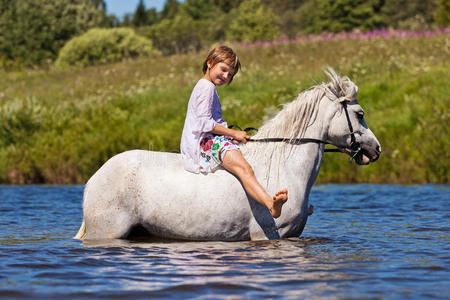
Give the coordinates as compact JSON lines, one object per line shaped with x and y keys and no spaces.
{"x":203,"y":113}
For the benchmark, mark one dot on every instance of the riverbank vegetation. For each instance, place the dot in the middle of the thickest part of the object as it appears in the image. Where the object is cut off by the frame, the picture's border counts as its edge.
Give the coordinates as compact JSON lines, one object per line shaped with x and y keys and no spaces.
{"x":33,"y":32}
{"x":61,"y":125}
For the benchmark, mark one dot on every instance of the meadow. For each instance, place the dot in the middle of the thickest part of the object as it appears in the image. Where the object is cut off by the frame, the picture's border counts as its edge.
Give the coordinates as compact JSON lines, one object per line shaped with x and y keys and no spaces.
{"x":61,"y":125}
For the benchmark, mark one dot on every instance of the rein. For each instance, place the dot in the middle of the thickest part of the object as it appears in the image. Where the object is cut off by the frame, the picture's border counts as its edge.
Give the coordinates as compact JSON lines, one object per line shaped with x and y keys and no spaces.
{"x":285,"y":140}
{"x":355,"y":147}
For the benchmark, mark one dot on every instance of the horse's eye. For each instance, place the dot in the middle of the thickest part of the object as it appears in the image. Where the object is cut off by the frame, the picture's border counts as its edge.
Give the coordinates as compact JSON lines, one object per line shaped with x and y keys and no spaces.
{"x":360,"y":115}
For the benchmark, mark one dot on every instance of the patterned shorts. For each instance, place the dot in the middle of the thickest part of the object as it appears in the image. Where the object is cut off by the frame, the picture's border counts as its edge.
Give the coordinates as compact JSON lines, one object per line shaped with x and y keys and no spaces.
{"x":213,"y":148}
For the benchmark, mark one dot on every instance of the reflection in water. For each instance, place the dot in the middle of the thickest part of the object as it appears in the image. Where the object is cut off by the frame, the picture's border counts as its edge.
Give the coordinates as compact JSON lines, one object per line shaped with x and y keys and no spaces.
{"x":363,"y":241}
{"x":259,"y":265}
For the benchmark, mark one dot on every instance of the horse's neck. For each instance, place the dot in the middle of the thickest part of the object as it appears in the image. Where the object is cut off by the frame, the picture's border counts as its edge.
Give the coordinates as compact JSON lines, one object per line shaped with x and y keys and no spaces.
{"x":302,"y":162}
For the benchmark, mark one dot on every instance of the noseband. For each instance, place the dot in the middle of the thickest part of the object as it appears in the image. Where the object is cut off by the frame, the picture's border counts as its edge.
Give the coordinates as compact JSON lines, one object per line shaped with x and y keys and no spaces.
{"x":355,"y":147}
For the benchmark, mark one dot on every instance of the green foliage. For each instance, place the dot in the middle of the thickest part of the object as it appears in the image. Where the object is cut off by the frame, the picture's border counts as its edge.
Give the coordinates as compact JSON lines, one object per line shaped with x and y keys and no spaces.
{"x":252,"y":22}
{"x":306,"y":16}
{"x":409,"y":14}
{"x":178,"y":35}
{"x":152,"y":16}
{"x":109,"y":21}
{"x":345,"y":15}
{"x":61,"y":125}
{"x":288,"y":23}
{"x":170,"y":9}
{"x":227,"y":5}
{"x":99,"y":4}
{"x":198,"y":9}
{"x":140,"y":16}
{"x":20,"y":120}
{"x":210,"y":20}
{"x":126,"y":20}
{"x":314,"y":16}
{"x":32,"y":32}
{"x":104,"y":46}
{"x":442,"y":13}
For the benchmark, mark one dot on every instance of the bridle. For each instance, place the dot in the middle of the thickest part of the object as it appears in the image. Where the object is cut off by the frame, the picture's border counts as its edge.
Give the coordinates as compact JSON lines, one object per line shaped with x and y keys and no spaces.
{"x":355,"y":147}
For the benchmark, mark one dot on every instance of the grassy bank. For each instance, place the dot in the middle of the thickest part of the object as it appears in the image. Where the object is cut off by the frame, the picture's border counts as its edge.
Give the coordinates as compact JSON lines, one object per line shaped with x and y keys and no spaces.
{"x":59,"y":126}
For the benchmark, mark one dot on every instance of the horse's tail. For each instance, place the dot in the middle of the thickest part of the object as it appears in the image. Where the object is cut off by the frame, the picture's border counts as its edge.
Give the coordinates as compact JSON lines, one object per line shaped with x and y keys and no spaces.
{"x":81,"y":232}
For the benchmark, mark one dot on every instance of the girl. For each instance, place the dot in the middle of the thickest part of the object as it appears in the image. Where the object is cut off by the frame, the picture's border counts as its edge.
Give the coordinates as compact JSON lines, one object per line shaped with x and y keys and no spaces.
{"x":208,"y":143}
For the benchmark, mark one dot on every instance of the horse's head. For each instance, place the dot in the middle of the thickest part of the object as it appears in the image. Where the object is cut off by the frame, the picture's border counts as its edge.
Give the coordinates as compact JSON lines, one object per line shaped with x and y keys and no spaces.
{"x":348,"y":129}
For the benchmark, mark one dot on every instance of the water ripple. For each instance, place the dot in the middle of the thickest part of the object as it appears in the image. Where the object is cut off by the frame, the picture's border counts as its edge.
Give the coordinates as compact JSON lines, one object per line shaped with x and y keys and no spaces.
{"x":363,"y":241}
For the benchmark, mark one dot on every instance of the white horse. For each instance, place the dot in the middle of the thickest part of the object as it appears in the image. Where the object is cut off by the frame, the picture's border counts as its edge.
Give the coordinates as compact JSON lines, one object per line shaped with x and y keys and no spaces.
{"x":152,"y":191}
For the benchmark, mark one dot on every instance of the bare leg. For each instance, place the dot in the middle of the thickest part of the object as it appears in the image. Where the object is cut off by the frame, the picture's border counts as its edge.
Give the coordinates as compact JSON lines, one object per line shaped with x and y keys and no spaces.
{"x":234,"y":162}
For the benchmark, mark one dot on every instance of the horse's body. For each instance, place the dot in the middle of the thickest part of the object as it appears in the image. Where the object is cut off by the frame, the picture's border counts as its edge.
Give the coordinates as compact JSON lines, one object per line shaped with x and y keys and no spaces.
{"x":152,"y":189}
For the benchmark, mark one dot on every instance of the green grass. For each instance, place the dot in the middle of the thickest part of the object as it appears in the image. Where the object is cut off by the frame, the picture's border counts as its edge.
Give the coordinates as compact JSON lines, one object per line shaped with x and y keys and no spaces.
{"x":60,"y":126}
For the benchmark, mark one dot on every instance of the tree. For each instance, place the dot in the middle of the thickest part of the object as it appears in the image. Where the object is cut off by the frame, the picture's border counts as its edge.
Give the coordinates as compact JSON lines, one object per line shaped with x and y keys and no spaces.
{"x":252,"y":21}
{"x":177,"y":35}
{"x":170,"y":9}
{"x":33,"y":31}
{"x":199,"y":9}
{"x":152,"y":16}
{"x":409,"y":14}
{"x":108,"y":20}
{"x":306,"y":16}
{"x":442,"y":13}
{"x":280,"y":7}
{"x":126,"y":20}
{"x":140,"y":15}
{"x":227,"y":5}
{"x":346,"y":15}
{"x":99,"y":4}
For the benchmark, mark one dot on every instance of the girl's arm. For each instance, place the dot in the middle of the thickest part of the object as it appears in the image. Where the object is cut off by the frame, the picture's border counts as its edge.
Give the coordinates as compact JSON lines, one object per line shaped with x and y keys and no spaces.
{"x":235,"y":134}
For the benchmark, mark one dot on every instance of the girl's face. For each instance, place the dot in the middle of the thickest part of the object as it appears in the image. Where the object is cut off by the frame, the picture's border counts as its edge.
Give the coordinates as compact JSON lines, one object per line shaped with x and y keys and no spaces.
{"x":220,"y":73}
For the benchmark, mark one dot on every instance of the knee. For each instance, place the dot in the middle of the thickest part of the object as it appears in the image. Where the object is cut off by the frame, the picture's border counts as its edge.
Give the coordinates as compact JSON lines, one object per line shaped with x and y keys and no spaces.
{"x":236,"y":164}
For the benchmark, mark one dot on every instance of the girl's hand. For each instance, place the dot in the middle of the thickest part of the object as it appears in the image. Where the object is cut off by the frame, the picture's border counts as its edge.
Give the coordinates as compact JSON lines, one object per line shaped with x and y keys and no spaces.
{"x":240,"y":136}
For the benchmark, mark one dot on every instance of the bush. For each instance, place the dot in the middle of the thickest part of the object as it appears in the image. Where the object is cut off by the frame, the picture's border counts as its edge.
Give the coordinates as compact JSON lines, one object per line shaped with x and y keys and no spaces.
{"x":104,"y":46}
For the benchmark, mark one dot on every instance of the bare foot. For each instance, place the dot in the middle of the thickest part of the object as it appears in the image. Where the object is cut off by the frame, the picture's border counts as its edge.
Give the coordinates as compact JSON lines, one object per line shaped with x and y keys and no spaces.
{"x":278,"y":200}
{"x":310,"y":210}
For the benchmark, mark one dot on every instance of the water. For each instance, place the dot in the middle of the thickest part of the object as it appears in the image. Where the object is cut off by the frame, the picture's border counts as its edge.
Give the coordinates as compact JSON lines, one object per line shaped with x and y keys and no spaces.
{"x":363,"y":241}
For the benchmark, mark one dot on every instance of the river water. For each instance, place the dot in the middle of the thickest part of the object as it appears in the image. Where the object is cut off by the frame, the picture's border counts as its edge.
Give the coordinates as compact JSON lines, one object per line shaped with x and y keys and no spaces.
{"x":363,"y":241}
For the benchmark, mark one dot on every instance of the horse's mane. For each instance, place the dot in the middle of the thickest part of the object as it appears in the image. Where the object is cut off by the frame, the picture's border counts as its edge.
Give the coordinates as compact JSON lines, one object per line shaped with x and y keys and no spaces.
{"x":295,"y":117}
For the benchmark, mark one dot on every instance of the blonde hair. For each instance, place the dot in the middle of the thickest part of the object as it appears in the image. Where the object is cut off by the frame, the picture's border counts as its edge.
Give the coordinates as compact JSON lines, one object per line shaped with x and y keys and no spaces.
{"x":222,"y":54}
